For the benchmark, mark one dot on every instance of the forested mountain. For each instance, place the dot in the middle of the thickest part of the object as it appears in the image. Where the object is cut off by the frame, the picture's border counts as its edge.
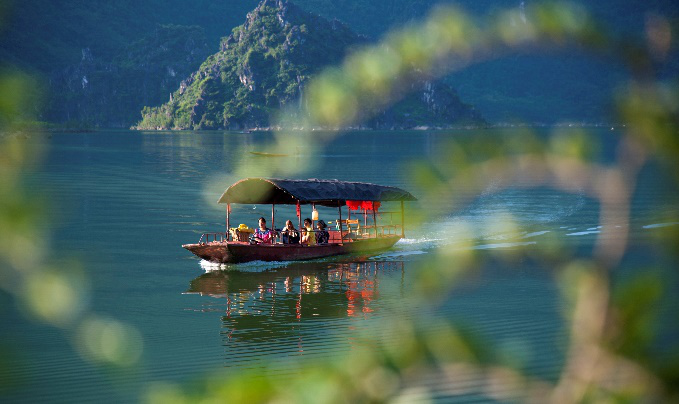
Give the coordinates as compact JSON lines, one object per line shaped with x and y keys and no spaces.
{"x":545,"y":87}
{"x":261,"y":66}
{"x":265,"y":64}
{"x":101,"y":62}
{"x":52,"y":36}
{"x":47,"y":35}
{"x":111,"y":93}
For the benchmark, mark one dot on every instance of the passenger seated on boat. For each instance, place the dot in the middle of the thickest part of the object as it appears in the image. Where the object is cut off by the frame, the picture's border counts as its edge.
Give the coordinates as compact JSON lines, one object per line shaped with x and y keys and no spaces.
{"x":322,"y":235}
{"x":262,"y":235}
{"x":308,"y":236}
{"x":290,"y":235}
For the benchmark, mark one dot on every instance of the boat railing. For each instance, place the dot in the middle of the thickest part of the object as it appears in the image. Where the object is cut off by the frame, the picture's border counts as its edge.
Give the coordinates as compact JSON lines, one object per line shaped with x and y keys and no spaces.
{"x":346,"y":235}
{"x":388,"y":229}
{"x":216,"y":237}
{"x":359,"y":225}
{"x":368,"y":231}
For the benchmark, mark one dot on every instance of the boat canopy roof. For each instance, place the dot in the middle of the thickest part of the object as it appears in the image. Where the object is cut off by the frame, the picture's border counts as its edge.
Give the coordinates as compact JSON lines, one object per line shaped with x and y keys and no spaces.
{"x":320,"y":192}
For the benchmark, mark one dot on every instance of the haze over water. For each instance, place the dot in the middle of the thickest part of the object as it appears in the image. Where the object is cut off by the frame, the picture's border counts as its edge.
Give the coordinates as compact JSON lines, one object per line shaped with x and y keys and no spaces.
{"x":124,"y":202}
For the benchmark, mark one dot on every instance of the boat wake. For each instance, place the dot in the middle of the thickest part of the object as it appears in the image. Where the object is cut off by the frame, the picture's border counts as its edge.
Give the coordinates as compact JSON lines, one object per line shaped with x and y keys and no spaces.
{"x":396,"y":255}
{"x":251,"y":266}
{"x":505,"y":220}
{"x":659,"y":225}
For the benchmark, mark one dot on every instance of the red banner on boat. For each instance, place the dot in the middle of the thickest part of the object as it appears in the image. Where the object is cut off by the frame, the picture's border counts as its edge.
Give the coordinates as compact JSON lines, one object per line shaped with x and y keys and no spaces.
{"x":354,"y":205}
{"x":370,"y":205}
{"x":367,"y":205}
{"x":299,"y":210}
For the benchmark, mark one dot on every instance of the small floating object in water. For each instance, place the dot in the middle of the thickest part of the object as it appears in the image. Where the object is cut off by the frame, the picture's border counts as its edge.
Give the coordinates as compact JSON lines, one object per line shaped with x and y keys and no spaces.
{"x":264,"y":154}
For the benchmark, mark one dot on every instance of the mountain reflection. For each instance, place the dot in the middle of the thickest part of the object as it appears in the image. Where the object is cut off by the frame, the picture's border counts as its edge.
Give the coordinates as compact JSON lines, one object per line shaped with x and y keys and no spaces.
{"x":274,"y":304}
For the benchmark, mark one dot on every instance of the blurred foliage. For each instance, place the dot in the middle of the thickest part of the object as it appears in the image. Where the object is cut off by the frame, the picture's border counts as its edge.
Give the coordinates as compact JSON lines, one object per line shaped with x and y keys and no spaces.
{"x":612,"y":350}
{"x":45,"y":291}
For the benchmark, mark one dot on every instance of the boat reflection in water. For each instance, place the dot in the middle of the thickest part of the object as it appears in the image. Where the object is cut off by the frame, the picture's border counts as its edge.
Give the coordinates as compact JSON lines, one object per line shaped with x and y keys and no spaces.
{"x":303,"y":308}
{"x":318,"y":289}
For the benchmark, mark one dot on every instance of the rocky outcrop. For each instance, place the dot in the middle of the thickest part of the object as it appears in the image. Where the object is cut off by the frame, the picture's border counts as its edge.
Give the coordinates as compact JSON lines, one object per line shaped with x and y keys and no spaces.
{"x":428,"y":105}
{"x":260,"y":67}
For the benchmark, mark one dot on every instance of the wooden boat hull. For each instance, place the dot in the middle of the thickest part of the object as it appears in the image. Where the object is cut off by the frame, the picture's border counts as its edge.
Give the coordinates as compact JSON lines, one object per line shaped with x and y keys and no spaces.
{"x":236,"y":251}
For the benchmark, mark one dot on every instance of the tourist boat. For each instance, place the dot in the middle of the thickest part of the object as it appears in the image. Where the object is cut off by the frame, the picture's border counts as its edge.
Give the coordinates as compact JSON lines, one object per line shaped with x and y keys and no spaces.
{"x":348,"y":237}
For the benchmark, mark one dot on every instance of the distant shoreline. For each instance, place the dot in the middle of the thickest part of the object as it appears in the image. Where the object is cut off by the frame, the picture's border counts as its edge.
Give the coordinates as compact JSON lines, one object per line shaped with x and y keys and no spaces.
{"x":66,"y":128}
{"x":51,"y":127}
{"x":417,"y":128}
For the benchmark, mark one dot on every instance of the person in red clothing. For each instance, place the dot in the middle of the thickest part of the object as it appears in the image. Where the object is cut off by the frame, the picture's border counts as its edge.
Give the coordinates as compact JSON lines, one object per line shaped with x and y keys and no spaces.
{"x":262,"y":235}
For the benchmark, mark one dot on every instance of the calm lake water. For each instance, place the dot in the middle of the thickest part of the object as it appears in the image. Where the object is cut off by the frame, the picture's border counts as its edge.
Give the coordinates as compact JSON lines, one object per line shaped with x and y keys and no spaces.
{"x":124,"y":202}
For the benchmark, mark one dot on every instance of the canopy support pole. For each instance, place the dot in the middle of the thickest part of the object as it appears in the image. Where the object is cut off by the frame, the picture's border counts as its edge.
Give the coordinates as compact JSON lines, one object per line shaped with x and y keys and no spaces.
{"x":339,"y":208}
{"x":273,"y":227}
{"x":299,"y":219}
{"x":403,"y":223}
{"x":228,"y":220}
{"x":375,"y":219}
